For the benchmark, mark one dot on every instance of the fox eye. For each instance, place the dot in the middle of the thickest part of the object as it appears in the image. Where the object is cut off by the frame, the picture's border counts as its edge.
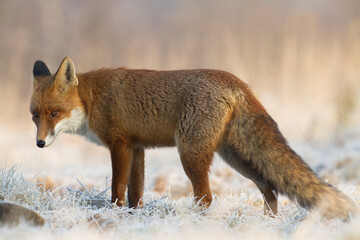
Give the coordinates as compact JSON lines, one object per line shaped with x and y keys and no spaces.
{"x":36,"y":115}
{"x":54,"y":113}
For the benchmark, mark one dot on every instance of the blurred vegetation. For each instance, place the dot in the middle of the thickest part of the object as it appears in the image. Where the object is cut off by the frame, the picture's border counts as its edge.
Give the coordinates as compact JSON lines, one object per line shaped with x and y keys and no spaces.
{"x":301,"y":56}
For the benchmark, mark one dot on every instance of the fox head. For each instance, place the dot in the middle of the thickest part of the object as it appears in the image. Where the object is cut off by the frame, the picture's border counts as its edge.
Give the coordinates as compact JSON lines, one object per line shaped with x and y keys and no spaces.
{"x":55,"y":103}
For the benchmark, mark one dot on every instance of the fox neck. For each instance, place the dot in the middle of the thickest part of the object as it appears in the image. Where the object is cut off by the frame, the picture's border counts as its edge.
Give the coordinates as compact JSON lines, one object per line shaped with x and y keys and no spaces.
{"x":87,"y":83}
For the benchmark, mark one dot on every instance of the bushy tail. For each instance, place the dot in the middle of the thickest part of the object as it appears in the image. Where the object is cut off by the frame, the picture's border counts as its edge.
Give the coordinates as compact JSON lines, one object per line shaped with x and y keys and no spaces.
{"x":334,"y":204}
{"x":255,"y":147}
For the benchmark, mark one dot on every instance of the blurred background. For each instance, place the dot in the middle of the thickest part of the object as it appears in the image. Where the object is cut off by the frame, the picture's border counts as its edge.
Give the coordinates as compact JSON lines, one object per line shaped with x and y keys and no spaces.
{"x":301,"y":57}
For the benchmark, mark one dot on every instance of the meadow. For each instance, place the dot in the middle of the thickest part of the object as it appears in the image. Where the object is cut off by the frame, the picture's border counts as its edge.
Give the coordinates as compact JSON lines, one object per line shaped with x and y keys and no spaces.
{"x":300,"y":57}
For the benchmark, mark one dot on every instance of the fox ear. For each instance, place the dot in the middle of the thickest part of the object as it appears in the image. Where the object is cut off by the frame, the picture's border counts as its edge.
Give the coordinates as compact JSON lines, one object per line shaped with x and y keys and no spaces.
{"x":40,"y":69}
{"x":65,"y":76}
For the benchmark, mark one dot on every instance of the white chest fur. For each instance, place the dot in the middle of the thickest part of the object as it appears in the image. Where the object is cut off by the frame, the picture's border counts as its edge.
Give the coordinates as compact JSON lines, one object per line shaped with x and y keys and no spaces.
{"x":78,"y":123}
{"x":89,"y":134}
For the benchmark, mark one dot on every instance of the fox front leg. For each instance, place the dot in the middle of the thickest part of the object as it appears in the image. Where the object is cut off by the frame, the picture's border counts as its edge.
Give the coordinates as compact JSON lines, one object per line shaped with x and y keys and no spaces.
{"x":121,"y":155}
{"x":136,"y":179}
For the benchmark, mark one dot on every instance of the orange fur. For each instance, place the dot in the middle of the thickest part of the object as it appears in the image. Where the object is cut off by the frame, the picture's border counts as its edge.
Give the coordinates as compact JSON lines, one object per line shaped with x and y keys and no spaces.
{"x":198,"y":111}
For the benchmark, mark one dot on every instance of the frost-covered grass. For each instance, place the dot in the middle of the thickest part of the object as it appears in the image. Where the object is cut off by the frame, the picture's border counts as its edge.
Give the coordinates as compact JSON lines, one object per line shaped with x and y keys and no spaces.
{"x":71,"y":213}
{"x":68,"y":184}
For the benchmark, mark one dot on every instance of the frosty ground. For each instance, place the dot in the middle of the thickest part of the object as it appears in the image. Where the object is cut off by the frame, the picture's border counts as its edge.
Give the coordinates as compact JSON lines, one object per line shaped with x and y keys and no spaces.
{"x":58,"y":181}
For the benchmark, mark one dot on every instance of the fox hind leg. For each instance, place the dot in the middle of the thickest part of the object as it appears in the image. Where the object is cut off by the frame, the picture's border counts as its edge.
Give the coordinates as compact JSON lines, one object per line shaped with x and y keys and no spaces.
{"x":197,"y":137}
{"x":196,"y":166}
{"x":270,"y":199}
{"x":237,"y":162}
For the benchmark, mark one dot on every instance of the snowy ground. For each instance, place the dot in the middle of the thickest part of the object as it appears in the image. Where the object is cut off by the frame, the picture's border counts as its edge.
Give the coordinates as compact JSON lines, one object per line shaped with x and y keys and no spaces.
{"x":169,"y":211}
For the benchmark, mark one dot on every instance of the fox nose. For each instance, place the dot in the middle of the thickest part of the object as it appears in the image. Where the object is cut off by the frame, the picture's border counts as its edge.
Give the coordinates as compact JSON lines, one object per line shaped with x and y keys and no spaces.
{"x":40,"y":143}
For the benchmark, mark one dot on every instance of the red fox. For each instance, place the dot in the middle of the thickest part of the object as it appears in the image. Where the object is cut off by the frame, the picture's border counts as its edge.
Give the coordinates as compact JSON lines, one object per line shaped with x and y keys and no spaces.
{"x":198,"y":111}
